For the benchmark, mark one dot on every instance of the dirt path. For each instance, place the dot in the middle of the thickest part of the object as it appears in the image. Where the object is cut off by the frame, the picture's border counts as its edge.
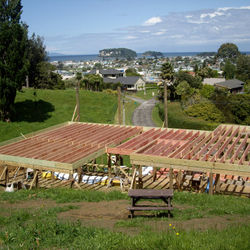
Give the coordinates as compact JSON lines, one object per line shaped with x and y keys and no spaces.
{"x":108,"y":214}
{"x":142,"y":115}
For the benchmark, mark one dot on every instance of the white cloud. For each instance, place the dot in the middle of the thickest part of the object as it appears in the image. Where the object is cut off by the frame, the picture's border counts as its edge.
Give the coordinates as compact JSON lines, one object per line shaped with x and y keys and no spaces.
{"x":130,"y":37}
{"x":234,"y":8}
{"x":152,"y":21}
{"x":144,"y":31}
{"x":212,"y":15}
{"x":159,"y":33}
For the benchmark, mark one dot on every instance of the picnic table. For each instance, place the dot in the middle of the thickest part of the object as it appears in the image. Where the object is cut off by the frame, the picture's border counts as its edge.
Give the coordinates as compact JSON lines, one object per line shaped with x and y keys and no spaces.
{"x":165,"y":195}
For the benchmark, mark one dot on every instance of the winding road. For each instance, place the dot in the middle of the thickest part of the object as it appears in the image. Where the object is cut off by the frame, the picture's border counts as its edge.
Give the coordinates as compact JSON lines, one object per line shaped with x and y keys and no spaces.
{"x":142,"y":115}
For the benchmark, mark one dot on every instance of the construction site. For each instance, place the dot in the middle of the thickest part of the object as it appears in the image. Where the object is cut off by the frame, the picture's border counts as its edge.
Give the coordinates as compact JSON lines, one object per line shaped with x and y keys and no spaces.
{"x":67,"y":155}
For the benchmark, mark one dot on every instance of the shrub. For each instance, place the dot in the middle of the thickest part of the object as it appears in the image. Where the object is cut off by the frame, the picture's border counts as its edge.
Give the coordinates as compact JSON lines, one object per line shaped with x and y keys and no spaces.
{"x":206,"y":111}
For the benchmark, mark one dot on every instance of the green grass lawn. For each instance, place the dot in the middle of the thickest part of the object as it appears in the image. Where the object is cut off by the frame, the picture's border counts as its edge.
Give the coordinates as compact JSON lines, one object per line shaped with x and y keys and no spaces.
{"x":177,"y":118}
{"x":148,"y":93}
{"x":50,"y":107}
{"x":40,"y":228}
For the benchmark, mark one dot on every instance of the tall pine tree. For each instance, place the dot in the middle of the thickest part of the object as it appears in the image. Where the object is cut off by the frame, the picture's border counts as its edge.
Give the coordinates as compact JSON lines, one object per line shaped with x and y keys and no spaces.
{"x":13,"y":54}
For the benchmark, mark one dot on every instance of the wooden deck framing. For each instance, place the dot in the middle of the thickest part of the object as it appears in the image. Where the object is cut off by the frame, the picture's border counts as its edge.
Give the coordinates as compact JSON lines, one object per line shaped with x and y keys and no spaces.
{"x":67,"y":147}
{"x":64,"y":148}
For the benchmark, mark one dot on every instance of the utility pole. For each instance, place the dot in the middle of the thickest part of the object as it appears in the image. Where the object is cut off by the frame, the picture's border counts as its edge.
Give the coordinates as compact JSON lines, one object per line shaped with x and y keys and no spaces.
{"x":165,"y":104}
{"x":119,"y":105}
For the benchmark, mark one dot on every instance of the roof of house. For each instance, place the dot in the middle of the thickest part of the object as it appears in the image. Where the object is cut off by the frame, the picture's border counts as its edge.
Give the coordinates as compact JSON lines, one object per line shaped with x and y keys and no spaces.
{"x":128,"y":80}
{"x":106,"y":71}
{"x":212,"y":81}
{"x":230,"y":84}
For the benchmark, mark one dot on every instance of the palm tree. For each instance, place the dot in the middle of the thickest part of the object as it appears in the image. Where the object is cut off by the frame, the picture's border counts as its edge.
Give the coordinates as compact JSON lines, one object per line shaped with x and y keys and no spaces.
{"x":167,"y":75}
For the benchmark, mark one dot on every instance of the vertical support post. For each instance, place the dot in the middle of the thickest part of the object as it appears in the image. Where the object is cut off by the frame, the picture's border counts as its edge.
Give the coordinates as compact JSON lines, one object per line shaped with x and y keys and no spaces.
{"x":77,"y":101}
{"x":133,"y":178}
{"x":6,"y":176}
{"x":211,"y":185}
{"x":109,"y":166}
{"x":36,"y":179}
{"x":165,"y":105}
{"x":79,"y":173}
{"x":119,"y":105}
{"x":140,"y":183}
{"x":154,"y":173}
{"x":121,"y":160}
{"x":179,"y":180}
{"x":71,"y":180}
{"x":217,"y":183}
{"x":171,"y":179}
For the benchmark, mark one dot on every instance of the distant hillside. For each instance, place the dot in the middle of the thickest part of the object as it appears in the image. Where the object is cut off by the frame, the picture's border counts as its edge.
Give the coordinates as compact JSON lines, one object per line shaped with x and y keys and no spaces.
{"x":152,"y":53}
{"x":118,"y":53}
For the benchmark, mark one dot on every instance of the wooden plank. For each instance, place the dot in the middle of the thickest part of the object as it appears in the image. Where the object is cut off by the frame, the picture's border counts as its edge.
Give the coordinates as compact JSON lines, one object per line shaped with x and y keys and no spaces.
{"x":211,"y":184}
{"x":149,"y":208}
{"x":133,"y":179}
{"x":195,"y":163}
{"x":3,"y":173}
{"x":171,"y":178}
{"x":150,"y":193}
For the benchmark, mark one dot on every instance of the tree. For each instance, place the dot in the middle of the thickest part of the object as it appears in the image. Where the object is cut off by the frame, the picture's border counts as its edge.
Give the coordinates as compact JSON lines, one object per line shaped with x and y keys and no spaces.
{"x":13,"y":54}
{"x":229,"y":70}
{"x":228,"y":51}
{"x":240,"y":108}
{"x":243,"y":68}
{"x":207,"y":91}
{"x":131,"y":72}
{"x":167,"y":75}
{"x":194,"y":82}
{"x":36,"y":54}
{"x":47,"y":79}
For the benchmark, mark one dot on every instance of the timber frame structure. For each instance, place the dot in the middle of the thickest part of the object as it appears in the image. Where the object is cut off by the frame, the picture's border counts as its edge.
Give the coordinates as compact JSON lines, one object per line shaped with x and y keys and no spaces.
{"x":68,"y":147}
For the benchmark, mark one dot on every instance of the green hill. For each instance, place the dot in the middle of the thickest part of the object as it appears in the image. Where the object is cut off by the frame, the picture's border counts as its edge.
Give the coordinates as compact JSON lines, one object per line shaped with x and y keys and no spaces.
{"x":50,"y":107}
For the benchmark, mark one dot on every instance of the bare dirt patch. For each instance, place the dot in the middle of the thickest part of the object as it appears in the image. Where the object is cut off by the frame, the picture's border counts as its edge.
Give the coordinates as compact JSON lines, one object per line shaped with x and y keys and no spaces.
{"x":106,"y":214}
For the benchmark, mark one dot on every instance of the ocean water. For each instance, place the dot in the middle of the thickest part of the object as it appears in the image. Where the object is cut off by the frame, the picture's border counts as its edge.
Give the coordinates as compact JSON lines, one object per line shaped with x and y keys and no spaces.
{"x":78,"y":58}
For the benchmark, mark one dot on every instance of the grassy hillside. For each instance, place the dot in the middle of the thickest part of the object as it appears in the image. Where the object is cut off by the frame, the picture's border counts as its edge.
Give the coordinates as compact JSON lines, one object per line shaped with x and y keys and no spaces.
{"x":50,"y":107}
{"x":177,"y":118}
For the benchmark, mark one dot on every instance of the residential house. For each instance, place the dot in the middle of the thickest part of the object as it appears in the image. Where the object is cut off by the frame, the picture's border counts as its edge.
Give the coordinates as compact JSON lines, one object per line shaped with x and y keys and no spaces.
{"x":107,"y":73}
{"x":129,"y":83}
{"x":233,"y":85}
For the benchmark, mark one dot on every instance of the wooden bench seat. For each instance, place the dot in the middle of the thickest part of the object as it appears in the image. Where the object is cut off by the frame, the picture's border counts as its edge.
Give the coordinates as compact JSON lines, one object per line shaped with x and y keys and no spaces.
{"x":138,"y":194}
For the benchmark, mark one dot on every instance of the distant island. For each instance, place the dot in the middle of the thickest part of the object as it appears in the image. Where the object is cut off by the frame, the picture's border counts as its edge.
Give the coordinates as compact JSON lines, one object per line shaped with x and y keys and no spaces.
{"x":118,"y":53}
{"x":152,"y":54}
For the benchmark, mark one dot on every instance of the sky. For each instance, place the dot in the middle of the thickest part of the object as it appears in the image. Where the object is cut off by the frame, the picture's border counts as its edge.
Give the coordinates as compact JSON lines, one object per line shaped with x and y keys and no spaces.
{"x":87,"y":26}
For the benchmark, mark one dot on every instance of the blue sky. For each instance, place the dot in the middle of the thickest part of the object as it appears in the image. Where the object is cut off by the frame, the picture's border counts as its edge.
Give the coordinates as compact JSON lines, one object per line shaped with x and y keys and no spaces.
{"x":86,"y":26}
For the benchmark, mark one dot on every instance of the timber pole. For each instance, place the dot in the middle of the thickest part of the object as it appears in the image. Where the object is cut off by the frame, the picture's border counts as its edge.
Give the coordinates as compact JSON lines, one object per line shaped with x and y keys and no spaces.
{"x":77,"y":102}
{"x":119,"y":105}
{"x":165,"y":105}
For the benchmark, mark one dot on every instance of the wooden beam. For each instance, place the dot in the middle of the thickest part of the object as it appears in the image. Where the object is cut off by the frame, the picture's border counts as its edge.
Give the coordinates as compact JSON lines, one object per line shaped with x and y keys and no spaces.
{"x":140,"y":183}
{"x":119,"y":105}
{"x":133,"y":178}
{"x":211,"y":184}
{"x":171,"y":178}
{"x":217,"y":183}
{"x":192,"y":165}
{"x":3,"y":173}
